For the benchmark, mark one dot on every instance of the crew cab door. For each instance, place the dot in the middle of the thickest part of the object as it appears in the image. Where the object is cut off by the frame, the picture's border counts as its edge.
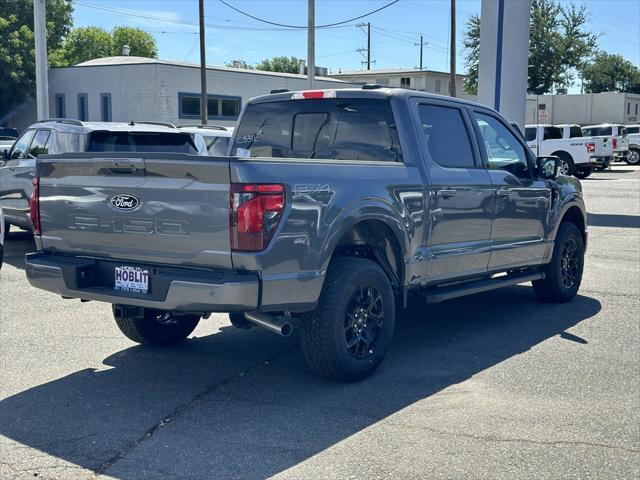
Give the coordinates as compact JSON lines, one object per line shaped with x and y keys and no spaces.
{"x":459,"y":196}
{"x":522,"y":201}
{"x":16,"y":175}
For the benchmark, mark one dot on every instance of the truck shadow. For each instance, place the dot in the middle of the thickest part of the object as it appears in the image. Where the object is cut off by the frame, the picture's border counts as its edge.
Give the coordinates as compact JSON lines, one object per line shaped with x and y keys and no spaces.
{"x":613,"y":220}
{"x":277,"y":414}
{"x":16,"y":245}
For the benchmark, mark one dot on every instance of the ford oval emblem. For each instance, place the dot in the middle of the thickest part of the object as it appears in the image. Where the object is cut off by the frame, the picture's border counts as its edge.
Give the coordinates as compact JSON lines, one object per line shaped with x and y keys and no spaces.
{"x":124,"y":201}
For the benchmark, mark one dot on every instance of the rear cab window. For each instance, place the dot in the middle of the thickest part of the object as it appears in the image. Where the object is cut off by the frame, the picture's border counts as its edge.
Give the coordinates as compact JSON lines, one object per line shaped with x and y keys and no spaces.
{"x":148,"y":142}
{"x":328,"y":128}
{"x":575,"y":132}
{"x":530,"y":134}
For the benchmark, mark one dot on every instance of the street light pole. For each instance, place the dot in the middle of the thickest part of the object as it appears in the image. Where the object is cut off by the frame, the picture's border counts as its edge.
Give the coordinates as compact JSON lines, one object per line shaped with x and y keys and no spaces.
{"x":311,"y":43}
{"x":42,"y":80}
{"x":452,"y":59}
{"x":203,"y":68}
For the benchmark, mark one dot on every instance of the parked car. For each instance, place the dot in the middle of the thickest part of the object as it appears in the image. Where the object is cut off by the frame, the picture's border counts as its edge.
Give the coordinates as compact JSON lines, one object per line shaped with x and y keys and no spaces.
{"x":615,"y":133}
{"x":7,"y":137}
{"x":72,"y":136}
{"x":577,"y":156}
{"x":633,"y":131}
{"x":333,"y":207}
{"x":216,"y":137}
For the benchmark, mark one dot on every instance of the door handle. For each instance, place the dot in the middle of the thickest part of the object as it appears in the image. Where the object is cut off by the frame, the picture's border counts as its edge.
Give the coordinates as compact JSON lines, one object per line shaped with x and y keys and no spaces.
{"x":504,"y":192}
{"x":445,"y":193}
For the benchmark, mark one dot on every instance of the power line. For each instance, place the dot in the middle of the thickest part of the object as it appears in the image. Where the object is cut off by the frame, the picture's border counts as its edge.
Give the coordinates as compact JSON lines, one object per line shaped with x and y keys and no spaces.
{"x":304,"y":26}
{"x":146,"y":16}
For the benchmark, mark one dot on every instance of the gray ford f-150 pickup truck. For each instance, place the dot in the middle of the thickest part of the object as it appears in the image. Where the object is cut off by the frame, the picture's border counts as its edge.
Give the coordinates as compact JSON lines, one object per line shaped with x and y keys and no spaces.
{"x":332,"y":208}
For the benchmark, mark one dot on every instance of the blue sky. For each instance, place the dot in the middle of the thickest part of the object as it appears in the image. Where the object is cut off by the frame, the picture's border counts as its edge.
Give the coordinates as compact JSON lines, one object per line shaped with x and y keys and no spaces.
{"x":395,"y":30}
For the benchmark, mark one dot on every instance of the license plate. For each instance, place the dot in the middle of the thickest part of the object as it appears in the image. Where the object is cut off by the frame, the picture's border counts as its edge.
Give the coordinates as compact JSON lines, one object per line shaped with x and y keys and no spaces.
{"x":131,"y":279}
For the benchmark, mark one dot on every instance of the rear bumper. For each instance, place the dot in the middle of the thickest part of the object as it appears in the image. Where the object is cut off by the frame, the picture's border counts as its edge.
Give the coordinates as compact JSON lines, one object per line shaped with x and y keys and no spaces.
{"x":600,"y":161}
{"x":171,"y":288}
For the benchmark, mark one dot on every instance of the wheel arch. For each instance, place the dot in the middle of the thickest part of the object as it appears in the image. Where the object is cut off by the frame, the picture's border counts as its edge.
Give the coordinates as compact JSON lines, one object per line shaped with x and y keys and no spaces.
{"x":376,"y":240}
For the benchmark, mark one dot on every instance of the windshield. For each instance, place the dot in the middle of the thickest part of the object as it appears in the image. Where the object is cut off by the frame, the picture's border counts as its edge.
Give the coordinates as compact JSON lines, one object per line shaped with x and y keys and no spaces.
{"x":342,"y":129}
{"x":151,"y":142}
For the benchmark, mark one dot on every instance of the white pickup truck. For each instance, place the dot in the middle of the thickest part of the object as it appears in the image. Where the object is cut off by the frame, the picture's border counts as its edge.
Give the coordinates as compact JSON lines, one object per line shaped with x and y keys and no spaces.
{"x":633,"y":131}
{"x":616,"y":133}
{"x":578,"y":156}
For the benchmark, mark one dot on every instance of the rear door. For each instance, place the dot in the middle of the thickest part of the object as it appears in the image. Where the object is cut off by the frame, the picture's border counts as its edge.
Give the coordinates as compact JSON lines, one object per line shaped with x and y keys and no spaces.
{"x":151,"y":208}
{"x":522,"y":201}
{"x":460,"y":196}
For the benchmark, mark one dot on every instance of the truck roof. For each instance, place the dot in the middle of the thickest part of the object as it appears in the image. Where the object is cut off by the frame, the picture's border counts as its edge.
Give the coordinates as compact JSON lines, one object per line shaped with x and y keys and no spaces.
{"x":76,"y":126}
{"x":366,"y":91}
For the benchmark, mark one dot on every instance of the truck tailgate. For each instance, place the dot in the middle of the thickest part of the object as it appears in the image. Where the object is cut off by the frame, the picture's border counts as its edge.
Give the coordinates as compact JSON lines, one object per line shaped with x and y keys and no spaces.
{"x":163,"y":208}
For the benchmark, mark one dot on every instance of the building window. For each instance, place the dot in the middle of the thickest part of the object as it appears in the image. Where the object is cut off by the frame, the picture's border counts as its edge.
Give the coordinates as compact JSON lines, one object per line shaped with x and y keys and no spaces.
{"x":83,"y":108}
{"x":438,"y":85}
{"x":636,"y":109}
{"x":218,"y":106}
{"x":405,"y":82}
{"x":105,"y":107}
{"x":61,"y":111}
{"x":628,"y":108}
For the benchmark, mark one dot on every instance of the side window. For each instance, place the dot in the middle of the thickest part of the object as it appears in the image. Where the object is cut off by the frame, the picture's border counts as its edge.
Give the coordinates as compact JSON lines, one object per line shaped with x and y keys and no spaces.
{"x":40,"y":144}
{"x":446,"y":136}
{"x":575,"y":132}
{"x":504,"y":151}
{"x":530,"y":134}
{"x":552,"y":133}
{"x":61,"y":107}
{"x":20,"y":149}
{"x":68,"y":142}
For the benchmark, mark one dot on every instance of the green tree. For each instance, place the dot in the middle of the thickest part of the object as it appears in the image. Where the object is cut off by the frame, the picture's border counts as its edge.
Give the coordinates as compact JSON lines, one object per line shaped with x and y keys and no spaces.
{"x":239,"y":64}
{"x":17,"y":56}
{"x":559,"y":45}
{"x":471,"y":44}
{"x":82,"y":44}
{"x":141,"y":43}
{"x":611,"y":73}
{"x":280,"y":64}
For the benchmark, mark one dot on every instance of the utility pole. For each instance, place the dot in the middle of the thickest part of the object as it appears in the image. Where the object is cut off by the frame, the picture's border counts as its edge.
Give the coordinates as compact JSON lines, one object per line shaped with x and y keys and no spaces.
{"x":452,"y":51}
{"x":203,"y":68}
{"x":42,"y":80}
{"x":368,"y":49}
{"x":311,"y":43}
{"x":368,"y":45}
{"x":422,"y":44}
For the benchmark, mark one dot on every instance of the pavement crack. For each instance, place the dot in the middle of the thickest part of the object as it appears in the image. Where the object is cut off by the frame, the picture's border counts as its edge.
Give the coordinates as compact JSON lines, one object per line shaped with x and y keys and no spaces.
{"x":497,"y":439}
{"x":179,"y":410}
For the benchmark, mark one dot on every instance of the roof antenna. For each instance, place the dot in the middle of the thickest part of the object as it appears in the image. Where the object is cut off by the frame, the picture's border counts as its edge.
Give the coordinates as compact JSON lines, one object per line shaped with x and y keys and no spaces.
{"x":131,"y":124}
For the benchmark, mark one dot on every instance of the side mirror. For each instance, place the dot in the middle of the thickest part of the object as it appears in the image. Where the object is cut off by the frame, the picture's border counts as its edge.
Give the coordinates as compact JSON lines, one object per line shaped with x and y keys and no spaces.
{"x":547,"y":167}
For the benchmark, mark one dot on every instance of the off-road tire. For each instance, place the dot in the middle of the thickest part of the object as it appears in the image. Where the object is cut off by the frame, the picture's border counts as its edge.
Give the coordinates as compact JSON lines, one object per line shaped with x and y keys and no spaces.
{"x":633,"y":157}
{"x":552,"y":288}
{"x":582,"y":172}
{"x":142,"y":325}
{"x":323,"y":331}
{"x":566,"y":158}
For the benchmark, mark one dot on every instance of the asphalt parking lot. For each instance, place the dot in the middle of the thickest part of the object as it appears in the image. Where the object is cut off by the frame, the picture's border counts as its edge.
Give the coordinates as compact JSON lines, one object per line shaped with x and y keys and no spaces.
{"x":493,"y":386}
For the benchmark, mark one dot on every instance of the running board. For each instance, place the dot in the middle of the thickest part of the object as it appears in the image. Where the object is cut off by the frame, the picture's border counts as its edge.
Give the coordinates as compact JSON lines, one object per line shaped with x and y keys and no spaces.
{"x":440,"y":294}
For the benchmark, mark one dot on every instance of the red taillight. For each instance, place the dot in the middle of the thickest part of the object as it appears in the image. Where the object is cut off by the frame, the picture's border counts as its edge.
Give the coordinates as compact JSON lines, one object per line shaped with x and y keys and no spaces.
{"x":614,"y":142}
{"x":591,"y":147}
{"x":34,"y":206}
{"x":255,"y":211}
